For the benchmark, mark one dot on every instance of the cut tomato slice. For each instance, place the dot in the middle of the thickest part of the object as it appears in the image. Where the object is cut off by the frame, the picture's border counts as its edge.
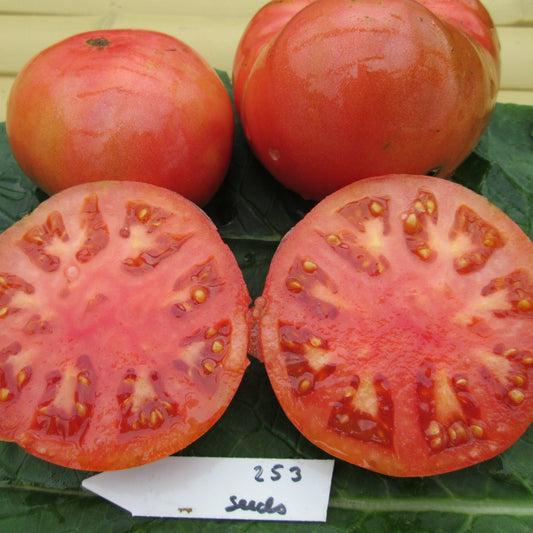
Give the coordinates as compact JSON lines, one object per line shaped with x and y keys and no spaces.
{"x":396,"y":326}
{"x":123,"y":326}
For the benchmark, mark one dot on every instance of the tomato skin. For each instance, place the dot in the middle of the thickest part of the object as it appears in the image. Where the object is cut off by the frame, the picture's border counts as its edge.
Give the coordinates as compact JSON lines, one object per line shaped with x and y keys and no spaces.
{"x":471,"y":18}
{"x":124,"y":326}
{"x":395,"y":326}
{"x":121,"y":105}
{"x":260,"y":30}
{"x":348,"y":90}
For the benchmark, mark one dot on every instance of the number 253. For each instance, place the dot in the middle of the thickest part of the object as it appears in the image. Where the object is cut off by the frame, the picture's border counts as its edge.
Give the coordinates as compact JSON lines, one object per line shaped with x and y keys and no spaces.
{"x":276,"y":473}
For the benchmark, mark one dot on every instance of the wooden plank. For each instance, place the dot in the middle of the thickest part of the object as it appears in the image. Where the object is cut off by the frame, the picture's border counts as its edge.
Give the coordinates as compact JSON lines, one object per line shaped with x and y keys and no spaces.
{"x":215,"y":38}
{"x":228,"y":8}
{"x":517,"y":57}
{"x":516,"y":97}
{"x":510,"y":12}
{"x":23,"y":36}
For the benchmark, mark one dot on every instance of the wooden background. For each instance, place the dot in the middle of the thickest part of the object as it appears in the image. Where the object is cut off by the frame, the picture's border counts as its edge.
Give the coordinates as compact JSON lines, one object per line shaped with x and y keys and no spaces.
{"x":213,"y":28}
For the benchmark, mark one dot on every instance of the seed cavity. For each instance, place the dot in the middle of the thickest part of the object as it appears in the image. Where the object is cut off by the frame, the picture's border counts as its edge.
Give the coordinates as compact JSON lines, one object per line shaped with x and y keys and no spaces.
{"x":483,"y":239}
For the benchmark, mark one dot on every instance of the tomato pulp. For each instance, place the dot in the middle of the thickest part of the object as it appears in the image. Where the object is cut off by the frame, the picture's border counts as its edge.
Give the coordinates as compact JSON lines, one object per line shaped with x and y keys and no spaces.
{"x":348,"y":90}
{"x":124,"y":326}
{"x":131,"y":105}
{"x":395,"y":326}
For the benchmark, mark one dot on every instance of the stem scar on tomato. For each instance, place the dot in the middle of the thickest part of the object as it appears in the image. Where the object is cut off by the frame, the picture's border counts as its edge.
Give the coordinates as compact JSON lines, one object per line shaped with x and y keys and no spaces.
{"x":98,"y":42}
{"x":124,"y":326}
{"x":395,"y":326}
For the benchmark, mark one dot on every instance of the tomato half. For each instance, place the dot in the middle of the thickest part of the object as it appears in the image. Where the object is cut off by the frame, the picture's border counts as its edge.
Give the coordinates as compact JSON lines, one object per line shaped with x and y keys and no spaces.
{"x":131,"y":105}
{"x":395,"y":326}
{"x":123,"y":326}
{"x":349,"y":90}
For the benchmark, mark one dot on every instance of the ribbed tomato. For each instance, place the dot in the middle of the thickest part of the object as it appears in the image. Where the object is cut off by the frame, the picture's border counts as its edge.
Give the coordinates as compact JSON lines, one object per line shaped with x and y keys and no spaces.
{"x":395,"y":326}
{"x":348,"y":90}
{"x":123,"y":326}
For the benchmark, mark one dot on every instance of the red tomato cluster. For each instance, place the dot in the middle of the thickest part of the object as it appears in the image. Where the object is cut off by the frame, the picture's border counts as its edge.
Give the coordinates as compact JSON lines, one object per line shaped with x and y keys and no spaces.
{"x":394,"y":324}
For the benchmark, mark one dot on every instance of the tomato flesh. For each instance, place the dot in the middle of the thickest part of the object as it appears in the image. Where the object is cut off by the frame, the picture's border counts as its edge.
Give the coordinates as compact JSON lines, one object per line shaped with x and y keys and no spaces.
{"x":124,"y":326}
{"x":395,"y":326}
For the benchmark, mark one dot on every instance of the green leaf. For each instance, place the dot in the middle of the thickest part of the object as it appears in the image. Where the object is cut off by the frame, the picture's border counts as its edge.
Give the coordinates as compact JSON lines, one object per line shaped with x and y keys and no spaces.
{"x":18,"y":194}
{"x":501,"y":166}
{"x":253,"y":213}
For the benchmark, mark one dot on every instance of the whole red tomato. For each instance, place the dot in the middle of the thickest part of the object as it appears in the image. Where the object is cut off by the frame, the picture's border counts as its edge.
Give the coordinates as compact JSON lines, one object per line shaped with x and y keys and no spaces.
{"x":123,"y":105}
{"x":347,"y":90}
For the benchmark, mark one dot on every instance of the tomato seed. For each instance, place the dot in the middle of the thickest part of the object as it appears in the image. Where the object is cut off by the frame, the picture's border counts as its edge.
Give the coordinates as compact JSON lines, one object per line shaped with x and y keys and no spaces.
{"x":210,"y":332}
{"x":419,"y":206}
{"x":477,"y":431}
{"x":125,"y":403}
{"x":167,"y":406}
{"x":217,"y":346}
{"x":156,"y":417}
{"x":142,"y":419}
{"x":84,"y":380}
{"x":333,"y":239}
{"x":294,"y":285}
{"x":458,"y":433}
{"x":315,"y":341}
{"x":23,"y":377}
{"x":376,"y":208}
{"x":524,"y":305}
{"x":433,"y":428}
{"x":528,"y":361}
{"x":199,"y":295}
{"x":81,"y":408}
{"x":4,"y":394}
{"x":411,"y":224}
{"x":461,"y":382}
{"x":424,"y":253}
{"x":519,"y":381}
{"x":208,"y":366}
{"x":304,"y":386}
{"x":143,"y":214}
{"x":516,"y":396}
{"x":309,"y":266}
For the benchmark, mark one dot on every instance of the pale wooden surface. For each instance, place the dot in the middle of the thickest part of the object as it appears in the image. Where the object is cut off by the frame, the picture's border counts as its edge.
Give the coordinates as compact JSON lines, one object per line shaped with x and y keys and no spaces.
{"x":213,"y":28}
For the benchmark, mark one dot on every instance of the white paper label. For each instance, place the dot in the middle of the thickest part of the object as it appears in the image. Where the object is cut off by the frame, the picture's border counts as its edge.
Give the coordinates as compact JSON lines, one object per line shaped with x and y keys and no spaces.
{"x":221,"y":488}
